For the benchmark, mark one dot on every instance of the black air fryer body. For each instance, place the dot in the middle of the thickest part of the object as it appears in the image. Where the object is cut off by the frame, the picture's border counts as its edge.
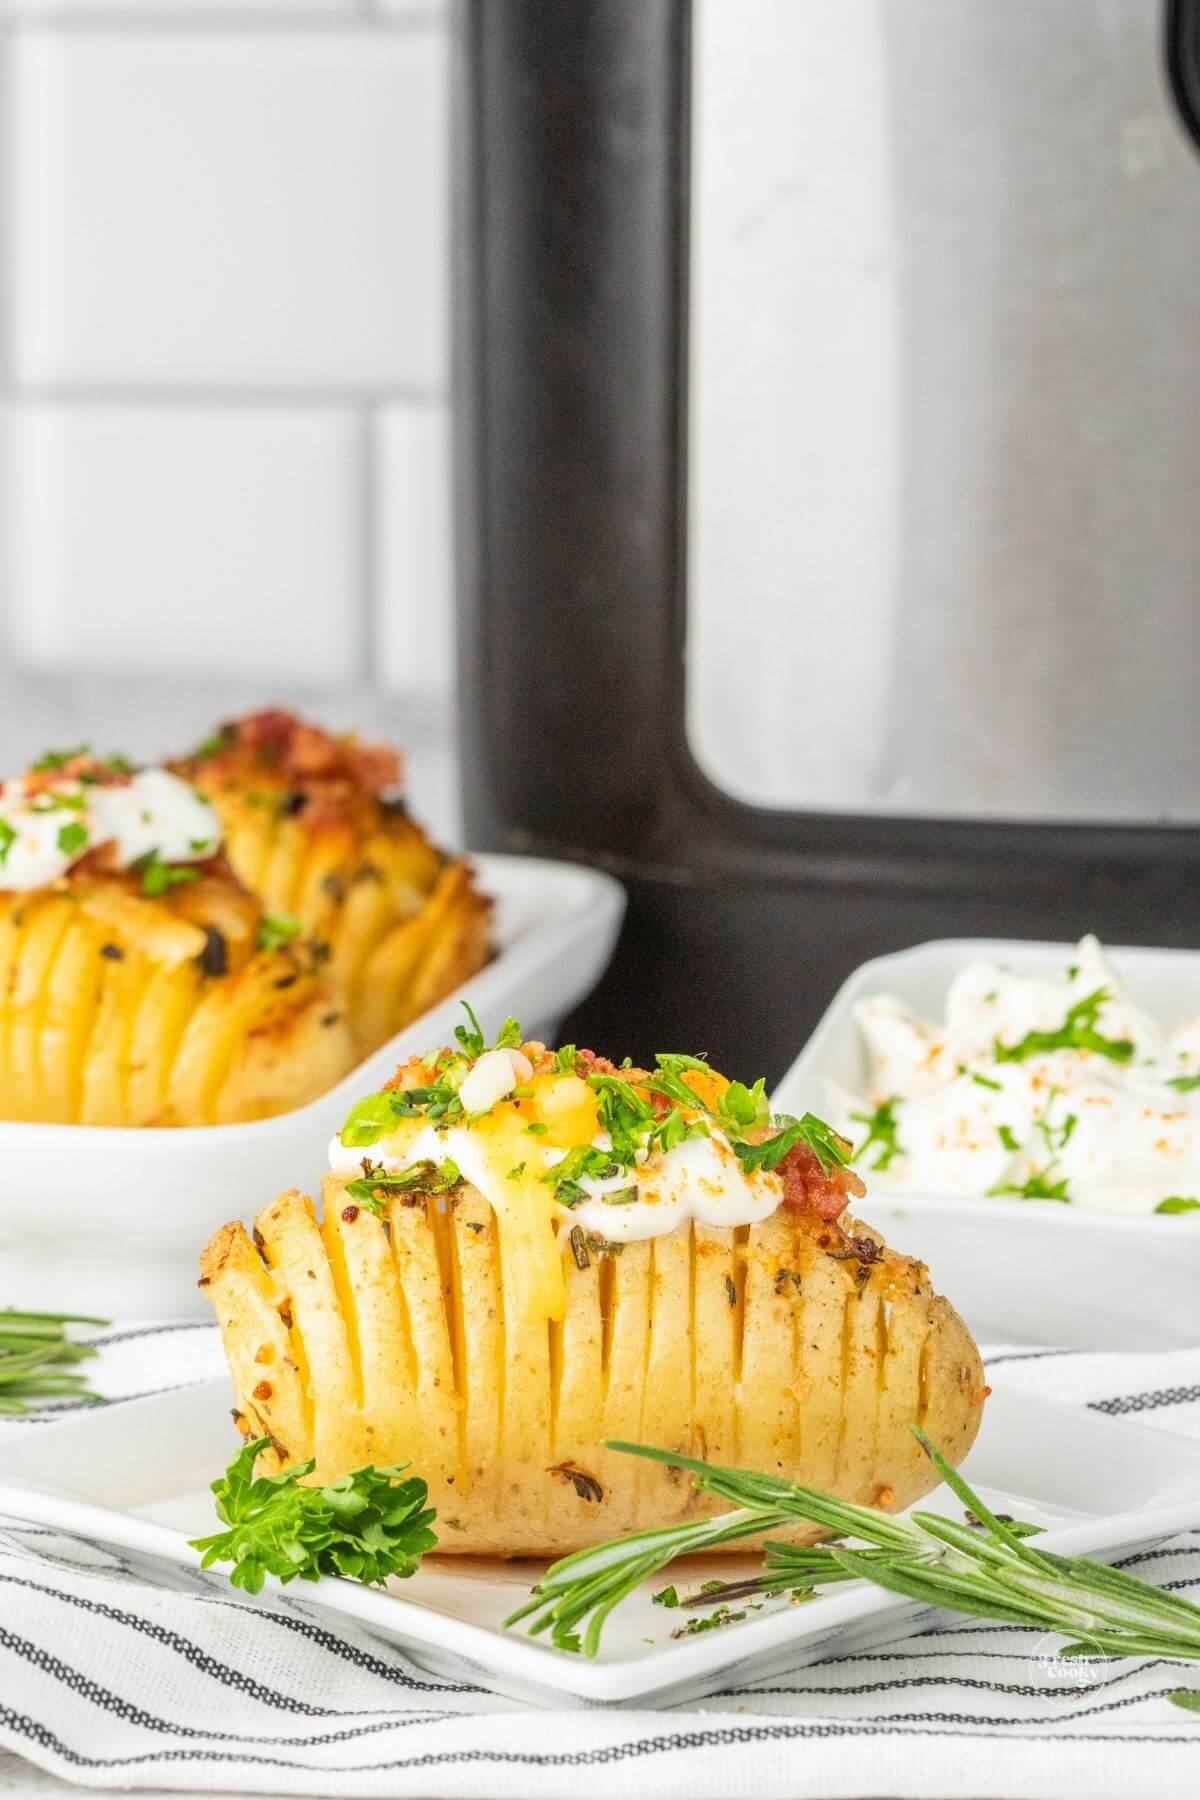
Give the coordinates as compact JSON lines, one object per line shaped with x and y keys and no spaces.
{"x":573,"y":488}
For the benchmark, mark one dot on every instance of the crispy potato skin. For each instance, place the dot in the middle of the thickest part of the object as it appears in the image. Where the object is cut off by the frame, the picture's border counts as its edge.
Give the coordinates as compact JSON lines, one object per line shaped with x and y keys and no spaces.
{"x":360,"y":1339}
{"x":116,"y":1009}
{"x":309,"y":831}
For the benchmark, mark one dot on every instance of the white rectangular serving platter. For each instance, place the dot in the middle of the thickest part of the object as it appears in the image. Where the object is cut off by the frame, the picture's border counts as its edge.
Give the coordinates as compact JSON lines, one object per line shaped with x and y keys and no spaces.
{"x":136,"y":1475}
{"x":1024,"y":1270}
{"x":111,"y":1220}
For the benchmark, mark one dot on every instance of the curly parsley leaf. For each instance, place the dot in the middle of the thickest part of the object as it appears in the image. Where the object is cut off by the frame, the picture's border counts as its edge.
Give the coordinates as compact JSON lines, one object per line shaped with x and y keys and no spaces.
{"x":1178,"y":1203}
{"x":369,"y":1525}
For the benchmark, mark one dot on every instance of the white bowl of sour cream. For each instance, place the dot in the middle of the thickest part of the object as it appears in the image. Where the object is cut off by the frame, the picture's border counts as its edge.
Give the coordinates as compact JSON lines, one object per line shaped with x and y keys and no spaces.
{"x":1034,"y":1108}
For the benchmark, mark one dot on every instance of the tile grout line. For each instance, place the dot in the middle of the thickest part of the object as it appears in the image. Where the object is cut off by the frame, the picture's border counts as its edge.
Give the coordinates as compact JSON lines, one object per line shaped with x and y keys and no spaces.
{"x":369,"y":596}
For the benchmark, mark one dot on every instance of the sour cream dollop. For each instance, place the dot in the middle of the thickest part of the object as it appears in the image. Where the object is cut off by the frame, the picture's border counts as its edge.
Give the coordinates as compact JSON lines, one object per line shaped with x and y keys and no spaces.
{"x":47,"y":828}
{"x":975,"y":1106}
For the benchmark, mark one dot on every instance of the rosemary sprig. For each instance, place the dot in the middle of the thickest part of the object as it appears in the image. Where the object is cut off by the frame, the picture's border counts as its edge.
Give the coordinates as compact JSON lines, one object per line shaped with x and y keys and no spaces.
{"x":36,"y":1359}
{"x":988,"y":1569}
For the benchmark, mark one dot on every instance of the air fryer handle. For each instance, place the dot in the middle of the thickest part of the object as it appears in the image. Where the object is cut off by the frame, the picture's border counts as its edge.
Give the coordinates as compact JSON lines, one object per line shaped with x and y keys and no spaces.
{"x":1183,"y":60}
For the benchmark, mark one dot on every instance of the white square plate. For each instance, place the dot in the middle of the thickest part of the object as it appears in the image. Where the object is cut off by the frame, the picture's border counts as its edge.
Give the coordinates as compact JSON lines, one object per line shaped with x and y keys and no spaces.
{"x":136,"y":1476}
{"x":1024,"y":1270}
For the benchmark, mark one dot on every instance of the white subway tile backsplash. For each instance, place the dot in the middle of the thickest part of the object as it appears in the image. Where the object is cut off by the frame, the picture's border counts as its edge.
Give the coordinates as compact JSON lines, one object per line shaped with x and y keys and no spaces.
{"x":260,"y":209}
{"x":191,"y":539}
{"x":413,"y":552}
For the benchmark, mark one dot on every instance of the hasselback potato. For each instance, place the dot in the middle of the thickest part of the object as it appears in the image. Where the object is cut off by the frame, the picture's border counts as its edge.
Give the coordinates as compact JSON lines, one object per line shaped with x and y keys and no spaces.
{"x":484,"y":1330}
{"x":314,"y":825}
{"x":140,"y":983}
{"x":120,"y":1009}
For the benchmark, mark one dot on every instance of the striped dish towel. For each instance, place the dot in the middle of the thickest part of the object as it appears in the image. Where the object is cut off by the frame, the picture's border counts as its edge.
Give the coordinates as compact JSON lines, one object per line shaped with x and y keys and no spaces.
{"x":120,"y":1673}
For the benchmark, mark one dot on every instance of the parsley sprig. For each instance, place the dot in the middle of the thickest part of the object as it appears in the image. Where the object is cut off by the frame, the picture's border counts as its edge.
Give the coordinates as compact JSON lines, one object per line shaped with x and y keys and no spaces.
{"x":743,"y":1114}
{"x":1077,"y":1032}
{"x":368,"y":1525}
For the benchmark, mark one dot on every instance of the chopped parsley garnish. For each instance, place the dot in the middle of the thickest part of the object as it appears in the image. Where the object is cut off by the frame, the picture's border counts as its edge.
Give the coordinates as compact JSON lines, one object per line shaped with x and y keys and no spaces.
{"x":158,"y":877}
{"x":1178,"y":1203}
{"x":737,"y":1121}
{"x":368,"y":1120}
{"x":472,"y":1041}
{"x":584,"y":1162}
{"x":1183,"y":1084}
{"x":277,"y":929}
{"x":830,"y":1150}
{"x":1008,"y":1137}
{"x":881,"y":1129}
{"x":213,"y":745}
{"x":636,"y":1123}
{"x":982,"y":1080}
{"x":58,"y":759}
{"x":1057,"y":1137}
{"x":1038,"y":1187}
{"x":8,"y":838}
{"x":1077,"y":1032}
{"x":72,"y":837}
{"x":376,"y":1186}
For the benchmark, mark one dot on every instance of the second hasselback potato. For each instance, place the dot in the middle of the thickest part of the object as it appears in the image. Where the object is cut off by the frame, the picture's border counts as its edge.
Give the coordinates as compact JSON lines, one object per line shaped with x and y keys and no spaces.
{"x":138,"y":989}
{"x":591,"y":1253}
{"x":314,"y":826}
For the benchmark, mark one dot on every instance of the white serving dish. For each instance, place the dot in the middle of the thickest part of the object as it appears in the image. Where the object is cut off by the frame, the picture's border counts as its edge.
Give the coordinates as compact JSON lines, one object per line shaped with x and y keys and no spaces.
{"x":1025,"y":1270}
{"x":111,"y":1220}
{"x":136,"y":1476}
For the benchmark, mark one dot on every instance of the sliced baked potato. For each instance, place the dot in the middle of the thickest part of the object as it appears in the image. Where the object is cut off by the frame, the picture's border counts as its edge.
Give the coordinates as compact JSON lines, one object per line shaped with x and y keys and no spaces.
{"x":314,"y":826}
{"x":416,"y":1321}
{"x":121,"y":1009}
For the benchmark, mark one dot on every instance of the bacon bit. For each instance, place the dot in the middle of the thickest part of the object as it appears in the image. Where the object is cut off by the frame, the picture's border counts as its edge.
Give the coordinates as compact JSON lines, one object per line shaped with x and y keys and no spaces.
{"x":807,"y":1188}
{"x":263,"y":1390}
{"x":301,"y":753}
{"x":595,"y":1065}
{"x":99,"y":774}
{"x":410,"y":1074}
{"x":886,"y":1498}
{"x":349,"y":1214}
